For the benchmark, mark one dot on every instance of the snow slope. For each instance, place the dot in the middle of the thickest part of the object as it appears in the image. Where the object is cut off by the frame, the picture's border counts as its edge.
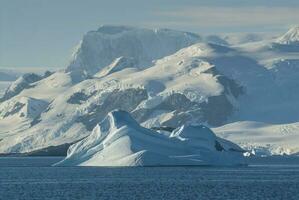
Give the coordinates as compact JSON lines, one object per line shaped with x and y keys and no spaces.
{"x":262,"y":139}
{"x":20,"y":129}
{"x":120,"y":141}
{"x":269,"y":78}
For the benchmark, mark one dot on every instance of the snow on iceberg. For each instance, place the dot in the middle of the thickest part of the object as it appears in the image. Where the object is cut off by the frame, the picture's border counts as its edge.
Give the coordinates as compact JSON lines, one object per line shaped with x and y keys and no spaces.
{"x":120,"y":141}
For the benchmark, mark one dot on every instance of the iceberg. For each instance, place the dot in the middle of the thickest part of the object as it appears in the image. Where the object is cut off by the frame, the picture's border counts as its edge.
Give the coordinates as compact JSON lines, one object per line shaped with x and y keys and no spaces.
{"x":120,"y":141}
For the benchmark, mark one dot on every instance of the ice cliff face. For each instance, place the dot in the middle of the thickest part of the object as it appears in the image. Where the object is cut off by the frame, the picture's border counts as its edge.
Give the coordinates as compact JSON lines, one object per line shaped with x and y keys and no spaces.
{"x":120,"y":141}
{"x":100,"y":48}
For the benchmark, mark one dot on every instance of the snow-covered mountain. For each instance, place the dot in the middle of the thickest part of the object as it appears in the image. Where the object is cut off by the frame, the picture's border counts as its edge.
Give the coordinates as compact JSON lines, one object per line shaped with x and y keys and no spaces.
{"x":288,"y":42}
{"x":291,"y":37}
{"x":178,"y":89}
{"x":23,"y":82}
{"x":120,"y":141}
{"x":9,"y":75}
{"x":161,"y":77}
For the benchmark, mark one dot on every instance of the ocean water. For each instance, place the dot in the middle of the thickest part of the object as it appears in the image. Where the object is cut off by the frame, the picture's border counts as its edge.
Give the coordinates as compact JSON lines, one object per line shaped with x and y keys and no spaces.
{"x":34,"y":178}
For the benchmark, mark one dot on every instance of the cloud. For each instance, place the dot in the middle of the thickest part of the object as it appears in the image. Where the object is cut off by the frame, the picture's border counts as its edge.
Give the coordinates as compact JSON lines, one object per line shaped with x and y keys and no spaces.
{"x":222,"y":17}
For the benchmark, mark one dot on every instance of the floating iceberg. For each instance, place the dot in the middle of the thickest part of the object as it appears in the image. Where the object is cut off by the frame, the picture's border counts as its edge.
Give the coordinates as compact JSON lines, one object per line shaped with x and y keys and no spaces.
{"x":120,"y":141}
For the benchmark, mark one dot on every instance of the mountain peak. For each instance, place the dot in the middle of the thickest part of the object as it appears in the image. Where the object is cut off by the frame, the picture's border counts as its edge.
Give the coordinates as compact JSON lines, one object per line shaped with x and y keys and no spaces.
{"x":100,"y":48}
{"x":113,"y":29}
{"x":290,"y":37}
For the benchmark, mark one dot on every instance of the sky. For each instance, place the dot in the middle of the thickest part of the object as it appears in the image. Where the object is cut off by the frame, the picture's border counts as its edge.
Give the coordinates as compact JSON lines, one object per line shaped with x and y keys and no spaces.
{"x":43,"y":33}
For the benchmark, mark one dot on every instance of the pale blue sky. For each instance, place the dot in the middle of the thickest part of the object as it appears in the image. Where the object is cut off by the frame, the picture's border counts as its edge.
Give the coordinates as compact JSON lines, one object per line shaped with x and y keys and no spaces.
{"x":42,"y":33}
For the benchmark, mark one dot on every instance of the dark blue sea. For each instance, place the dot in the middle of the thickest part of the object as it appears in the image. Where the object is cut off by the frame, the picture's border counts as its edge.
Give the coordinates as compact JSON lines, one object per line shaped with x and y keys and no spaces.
{"x":34,"y":178}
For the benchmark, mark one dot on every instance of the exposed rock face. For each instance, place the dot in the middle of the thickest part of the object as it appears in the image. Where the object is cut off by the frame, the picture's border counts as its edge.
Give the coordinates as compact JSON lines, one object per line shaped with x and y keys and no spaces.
{"x":186,"y":111}
{"x":78,"y":98}
{"x":126,"y":99}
